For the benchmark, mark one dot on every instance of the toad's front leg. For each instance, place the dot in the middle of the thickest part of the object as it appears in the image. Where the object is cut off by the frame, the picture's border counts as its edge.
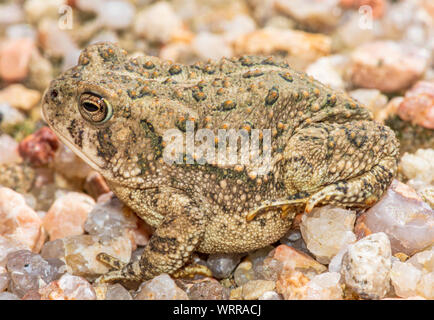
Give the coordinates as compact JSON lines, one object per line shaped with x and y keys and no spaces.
{"x":169,"y":248}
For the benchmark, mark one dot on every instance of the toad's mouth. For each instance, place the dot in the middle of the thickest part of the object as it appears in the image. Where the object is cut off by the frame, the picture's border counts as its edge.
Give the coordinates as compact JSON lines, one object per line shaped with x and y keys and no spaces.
{"x":92,"y":163}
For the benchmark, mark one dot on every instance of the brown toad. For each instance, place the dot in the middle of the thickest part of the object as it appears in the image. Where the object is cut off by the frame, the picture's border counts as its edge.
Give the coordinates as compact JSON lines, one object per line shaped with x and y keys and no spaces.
{"x":114,"y":112}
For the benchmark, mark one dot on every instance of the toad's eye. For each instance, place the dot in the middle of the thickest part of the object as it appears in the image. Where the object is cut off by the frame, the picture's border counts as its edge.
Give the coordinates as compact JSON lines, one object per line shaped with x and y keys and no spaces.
{"x":94,"y":108}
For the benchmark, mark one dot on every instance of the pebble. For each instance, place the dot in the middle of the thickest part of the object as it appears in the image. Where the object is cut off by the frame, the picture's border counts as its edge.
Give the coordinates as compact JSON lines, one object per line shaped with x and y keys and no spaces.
{"x":326,"y":230}
{"x":270,"y":295}
{"x":403,"y":216}
{"x":366,"y":266}
{"x":8,"y":246}
{"x":329,"y":70}
{"x":115,"y":14}
{"x":8,"y":296}
{"x":387,"y":66}
{"x":18,"y":221}
{"x":244,"y":273}
{"x":37,"y":9}
{"x":111,"y":218}
{"x":372,"y":99}
{"x":117,"y":292}
{"x":419,"y":165}
{"x":39,"y":148}
{"x":9,"y":150}
{"x":67,"y":215}
{"x":69,"y":164}
{"x":211,"y":46}
{"x":4,"y":279}
{"x":9,"y":116}
{"x":18,"y":96}
{"x":15,"y":57}
{"x":254,"y":289}
{"x":79,"y":253}
{"x":418,"y":104}
{"x":313,"y":14}
{"x":11,"y":13}
{"x":95,"y":185}
{"x":29,"y":271}
{"x":302,"y":48}
{"x":68,"y":287}
{"x":325,"y":286}
{"x":222,"y":264}
{"x":206,"y":289}
{"x":239,"y":25}
{"x":161,"y":287}
{"x":157,"y":22}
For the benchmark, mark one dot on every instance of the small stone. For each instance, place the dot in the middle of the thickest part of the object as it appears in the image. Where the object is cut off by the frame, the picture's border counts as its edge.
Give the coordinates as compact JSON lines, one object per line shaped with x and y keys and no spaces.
{"x":419,"y":165}
{"x":418,"y":105}
{"x":18,"y":221}
{"x":366,"y":266}
{"x":157,"y":22}
{"x":8,"y":246}
{"x":67,"y":215}
{"x":56,"y":42}
{"x":222,"y":264}
{"x":18,"y":96}
{"x":9,"y":116}
{"x":95,"y":185}
{"x":40,"y":71}
{"x":403,"y":216}
{"x":239,"y":25}
{"x":29,"y":271}
{"x":387,"y":66}
{"x":244,"y":273}
{"x":79,"y":253}
{"x":37,"y":9}
{"x":115,"y":14}
{"x":39,"y":148}
{"x":68,"y":287}
{"x":325,"y":286}
{"x":254,"y":289}
{"x":4,"y":279}
{"x":270,"y":295}
{"x":161,"y":287}
{"x":302,"y":48}
{"x":8,"y":296}
{"x":206,"y":289}
{"x":211,"y":46}
{"x":9,"y":148}
{"x":371,"y":99}
{"x":69,"y":164}
{"x":329,"y":70}
{"x":15,"y":57}
{"x":316,"y":15}
{"x":326,"y":230}
{"x":11,"y":13}
{"x":117,"y":292}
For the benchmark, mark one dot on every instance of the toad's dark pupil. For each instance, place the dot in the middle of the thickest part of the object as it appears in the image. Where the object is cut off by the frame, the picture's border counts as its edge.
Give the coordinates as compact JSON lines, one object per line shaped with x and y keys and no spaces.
{"x":90,"y":107}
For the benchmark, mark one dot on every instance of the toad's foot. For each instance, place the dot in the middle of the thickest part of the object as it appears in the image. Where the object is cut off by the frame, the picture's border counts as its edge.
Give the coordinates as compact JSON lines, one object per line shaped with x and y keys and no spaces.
{"x":284,"y":205}
{"x":121,"y":271}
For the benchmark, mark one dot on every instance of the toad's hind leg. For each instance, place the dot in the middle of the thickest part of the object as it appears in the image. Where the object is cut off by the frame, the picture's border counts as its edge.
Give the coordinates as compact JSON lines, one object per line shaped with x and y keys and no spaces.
{"x":348,"y":165}
{"x":169,"y":248}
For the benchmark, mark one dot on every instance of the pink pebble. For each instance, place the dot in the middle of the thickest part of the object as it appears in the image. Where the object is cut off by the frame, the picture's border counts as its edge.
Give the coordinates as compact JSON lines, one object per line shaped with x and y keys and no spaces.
{"x":18,"y":221}
{"x":67,"y":215}
{"x":15,"y":57}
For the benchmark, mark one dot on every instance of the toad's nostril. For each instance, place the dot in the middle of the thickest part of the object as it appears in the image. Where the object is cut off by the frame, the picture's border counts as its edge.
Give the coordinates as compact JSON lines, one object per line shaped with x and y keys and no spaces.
{"x":54,"y":93}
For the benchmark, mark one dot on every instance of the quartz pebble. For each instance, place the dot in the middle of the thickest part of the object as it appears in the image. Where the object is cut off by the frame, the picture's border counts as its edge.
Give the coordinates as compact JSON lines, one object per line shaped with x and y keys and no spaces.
{"x":222,"y":264}
{"x":254,"y":289}
{"x":372,"y":99}
{"x":302,"y":48}
{"x":68,"y":287}
{"x":115,"y":14}
{"x":11,"y":13}
{"x":9,"y":149}
{"x":4,"y":279}
{"x":325,"y":286}
{"x":206,"y":289}
{"x":419,"y":166}
{"x":8,"y":246}
{"x":79,"y":253}
{"x":418,"y":105}
{"x":211,"y":46}
{"x":8,"y":296}
{"x":39,"y":148}
{"x":38,"y":9}
{"x":326,"y":230}
{"x":69,"y":164}
{"x":15,"y":57}
{"x":157,"y":22}
{"x":403,"y":216}
{"x":161,"y":287}
{"x":270,"y":295}
{"x":67,"y":215}
{"x":387,"y":66}
{"x":366,"y":266}
{"x":95,"y":185}
{"x":18,"y":96}
{"x":18,"y":221}
{"x":9,"y":116}
{"x":329,"y":70}
{"x":117,"y":292}
{"x":244,"y":273}
{"x":30,"y":271}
